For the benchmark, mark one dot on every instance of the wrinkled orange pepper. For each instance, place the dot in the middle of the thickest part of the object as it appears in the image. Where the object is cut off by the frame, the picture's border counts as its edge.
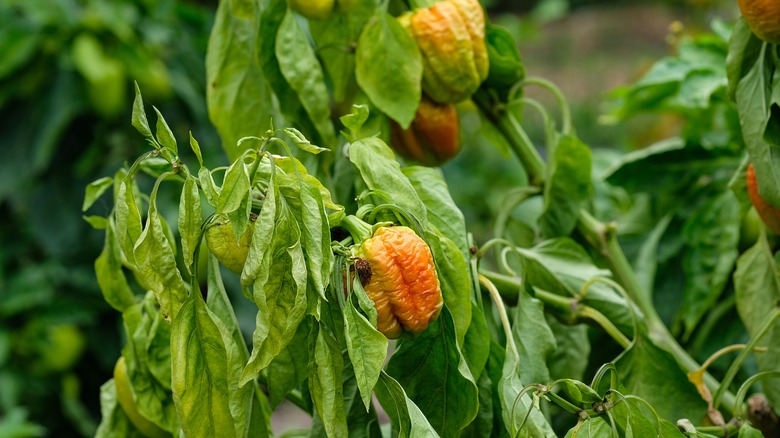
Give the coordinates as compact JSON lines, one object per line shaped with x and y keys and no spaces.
{"x":403,"y":283}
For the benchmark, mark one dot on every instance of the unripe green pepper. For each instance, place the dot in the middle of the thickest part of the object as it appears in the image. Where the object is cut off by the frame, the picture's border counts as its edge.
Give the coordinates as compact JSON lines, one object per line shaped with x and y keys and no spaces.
{"x":434,"y":136}
{"x":451,"y":38}
{"x":312,"y":9}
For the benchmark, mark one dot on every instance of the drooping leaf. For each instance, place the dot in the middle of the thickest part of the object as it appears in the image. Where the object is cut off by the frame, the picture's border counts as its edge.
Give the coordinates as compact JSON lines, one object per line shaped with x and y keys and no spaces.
{"x":757,"y":289}
{"x":303,"y":72}
{"x":189,"y":220}
{"x":234,"y":189}
{"x":390,"y":73}
{"x":128,"y":220}
{"x":442,"y":211}
{"x":333,"y":37}
{"x":289,"y":368}
{"x":377,"y":166}
{"x":153,"y":399}
{"x":279,"y":291}
{"x":407,"y":419}
{"x":200,"y":374}
{"x":325,"y":381}
{"x":440,"y":383}
{"x":712,"y":235}
{"x":157,"y":263}
{"x":453,"y":272}
{"x":165,"y":135}
{"x":653,"y":374}
{"x":534,"y":339}
{"x":572,"y":344}
{"x":367,"y":349}
{"x":110,"y":276}
{"x":94,"y":190}
{"x":240,"y":102}
{"x":114,"y":423}
{"x":567,"y":188}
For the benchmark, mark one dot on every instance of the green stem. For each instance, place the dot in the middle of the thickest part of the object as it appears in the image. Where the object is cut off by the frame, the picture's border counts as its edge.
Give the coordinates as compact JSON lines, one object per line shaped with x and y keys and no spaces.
{"x":603,"y":238}
{"x":569,"y":309}
{"x":742,"y":392}
{"x":720,"y":431}
{"x":734,"y":368}
{"x":357,"y":228}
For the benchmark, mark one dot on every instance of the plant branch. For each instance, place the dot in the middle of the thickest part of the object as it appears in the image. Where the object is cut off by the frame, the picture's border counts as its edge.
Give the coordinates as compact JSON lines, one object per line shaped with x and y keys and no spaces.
{"x":734,"y":368}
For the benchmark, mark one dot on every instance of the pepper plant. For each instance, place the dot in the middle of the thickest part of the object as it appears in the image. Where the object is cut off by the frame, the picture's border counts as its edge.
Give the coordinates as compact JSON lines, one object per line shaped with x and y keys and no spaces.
{"x":371,"y":295}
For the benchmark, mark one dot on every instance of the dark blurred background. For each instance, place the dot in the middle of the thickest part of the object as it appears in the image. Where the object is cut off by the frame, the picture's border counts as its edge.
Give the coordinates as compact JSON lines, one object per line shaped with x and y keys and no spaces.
{"x":67,"y":69}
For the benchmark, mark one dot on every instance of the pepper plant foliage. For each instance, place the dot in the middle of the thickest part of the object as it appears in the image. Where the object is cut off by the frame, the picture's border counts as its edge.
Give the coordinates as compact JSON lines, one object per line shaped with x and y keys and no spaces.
{"x":509,"y":353}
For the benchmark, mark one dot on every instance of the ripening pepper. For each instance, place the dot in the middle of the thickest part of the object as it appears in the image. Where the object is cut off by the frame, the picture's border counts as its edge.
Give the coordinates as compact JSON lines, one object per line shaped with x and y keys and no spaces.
{"x":312,"y":9}
{"x":451,"y":38}
{"x":768,"y":213}
{"x":222,"y":242}
{"x":434,"y":136}
{"x":763,"y":17}
{"x":403,"y":282}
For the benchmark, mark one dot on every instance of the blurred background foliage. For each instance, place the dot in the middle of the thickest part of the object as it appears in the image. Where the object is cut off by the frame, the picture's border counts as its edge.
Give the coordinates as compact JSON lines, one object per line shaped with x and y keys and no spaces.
{"x":67,"y":69}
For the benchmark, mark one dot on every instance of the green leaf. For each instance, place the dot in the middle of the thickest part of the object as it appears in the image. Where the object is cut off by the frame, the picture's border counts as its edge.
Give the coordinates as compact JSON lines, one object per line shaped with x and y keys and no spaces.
{"x":289,"y":368}
{"x":568,"y":186}
{"x":164,"y":135}
{"x":250,"y":411}
{"x":579,"y":392}
{"x":562,"y":266}
{"x":654,"y":375}
{"x":440,"y":382}
{"x":189,"y":220}
{"x":364,"y":423}
{"x":95,"y":190}
{"x":210,"y":188}
{"x":156,"y":262}
{"x":114,"y":423}
{"x":407,"y":419}
{"x":573,"y":345}
{"x":753,"y":99}
{"x":200,"y":375}
{"x":534,"y":339}
{"x":483,"y":423}
{"x":302,"y":142}
{"x":476,"y":345}
{"x":748,"y":431}
{"x":430,"y":186}
{"x":235,"y":188}
{"x":325,"y":381}
{"x":354,"y":121}
{"x":712,"y":235}
{"x":593,"y":427}
{"x":110,"y":276}
{"x":240,"y":101}
{"x":96,"y":222}
{"x":128,"y":220}
{"x":367,"y":349}
{"x":280,"y":285}
{"x":454,"y":279}
{"x":646,"y":262}
{"x":518,"y":421}
{"x":744,"y":48}
{"x":390,"y":73}
{"x":757,"y":289}
{"x":152,"y":398}
{"x":195,"y":146}
{"x":303,"y":72}
{"x":139,"y":120}
{"x":377,"y":166}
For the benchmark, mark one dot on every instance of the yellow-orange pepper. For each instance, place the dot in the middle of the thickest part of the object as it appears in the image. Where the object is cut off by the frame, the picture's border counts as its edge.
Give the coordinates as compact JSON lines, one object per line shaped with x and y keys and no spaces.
{"x":451,"y":38}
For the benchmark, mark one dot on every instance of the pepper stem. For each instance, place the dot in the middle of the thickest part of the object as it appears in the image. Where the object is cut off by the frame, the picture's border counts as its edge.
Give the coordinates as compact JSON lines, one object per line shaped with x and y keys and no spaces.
{"x":357,"y":228}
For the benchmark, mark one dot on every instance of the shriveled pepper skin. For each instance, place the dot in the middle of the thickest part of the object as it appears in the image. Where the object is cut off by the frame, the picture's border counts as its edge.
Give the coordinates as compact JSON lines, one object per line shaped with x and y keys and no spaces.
{"x":451,"y":38}
{"x":763,"y":17}
{"x":404,"y":285}
{"x":434,"y":136}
